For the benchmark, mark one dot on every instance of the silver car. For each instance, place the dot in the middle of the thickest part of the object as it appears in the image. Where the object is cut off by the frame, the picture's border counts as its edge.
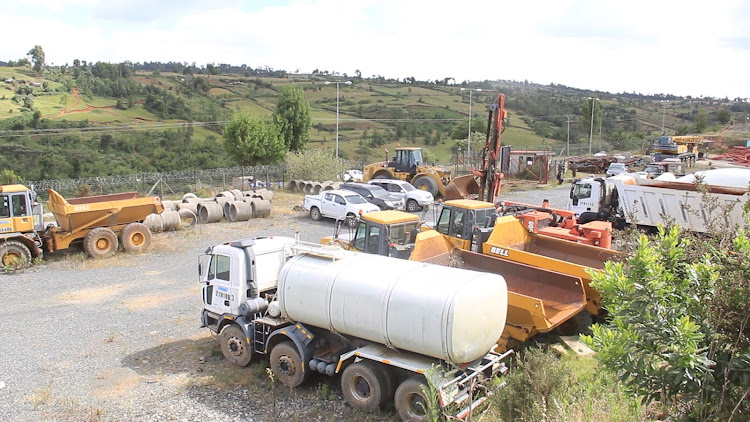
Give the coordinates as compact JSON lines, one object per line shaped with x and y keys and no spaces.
{"x":415,"y":198}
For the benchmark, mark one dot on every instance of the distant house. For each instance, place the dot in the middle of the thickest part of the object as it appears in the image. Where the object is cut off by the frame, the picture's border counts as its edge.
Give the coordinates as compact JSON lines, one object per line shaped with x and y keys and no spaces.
{"x":36,"y":84}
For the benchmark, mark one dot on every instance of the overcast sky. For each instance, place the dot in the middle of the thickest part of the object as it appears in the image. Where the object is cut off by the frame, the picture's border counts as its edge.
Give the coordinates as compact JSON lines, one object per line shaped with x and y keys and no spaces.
{"x":655,"y":46}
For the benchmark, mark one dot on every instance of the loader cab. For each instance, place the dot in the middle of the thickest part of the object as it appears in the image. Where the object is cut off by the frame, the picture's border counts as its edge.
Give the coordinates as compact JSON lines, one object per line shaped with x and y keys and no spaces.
{"x":386,"y":233}
{"x":407,"y":160}
{"x":19,"y":211}
{"x":467,"y":223}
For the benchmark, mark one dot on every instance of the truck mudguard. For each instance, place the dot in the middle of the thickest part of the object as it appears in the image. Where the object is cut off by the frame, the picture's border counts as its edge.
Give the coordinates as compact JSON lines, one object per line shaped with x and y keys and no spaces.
{"x":297,"y":333}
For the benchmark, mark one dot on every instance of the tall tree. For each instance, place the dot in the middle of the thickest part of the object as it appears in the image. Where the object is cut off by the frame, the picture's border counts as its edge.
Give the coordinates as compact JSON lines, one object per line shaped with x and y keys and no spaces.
{"x":252,"y":141}
{"x":37,"y":57}
{"x":292,"y":115}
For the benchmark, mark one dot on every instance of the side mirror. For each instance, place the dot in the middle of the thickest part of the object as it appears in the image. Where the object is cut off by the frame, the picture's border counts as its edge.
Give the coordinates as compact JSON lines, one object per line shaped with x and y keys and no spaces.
{"x":203,"y":263}
{"x":369,"y":196}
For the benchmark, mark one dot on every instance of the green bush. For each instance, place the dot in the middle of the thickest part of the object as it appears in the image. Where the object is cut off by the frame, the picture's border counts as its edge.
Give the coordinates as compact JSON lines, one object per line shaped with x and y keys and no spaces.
{"x":317,"y":164}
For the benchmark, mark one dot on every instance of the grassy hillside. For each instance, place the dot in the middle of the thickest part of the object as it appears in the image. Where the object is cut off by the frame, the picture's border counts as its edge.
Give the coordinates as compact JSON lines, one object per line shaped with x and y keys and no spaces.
{"x":374,"y":114}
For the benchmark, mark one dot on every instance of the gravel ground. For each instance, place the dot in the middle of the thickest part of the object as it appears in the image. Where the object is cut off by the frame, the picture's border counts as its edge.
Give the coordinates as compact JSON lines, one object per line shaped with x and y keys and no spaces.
{"x":119,"y":339}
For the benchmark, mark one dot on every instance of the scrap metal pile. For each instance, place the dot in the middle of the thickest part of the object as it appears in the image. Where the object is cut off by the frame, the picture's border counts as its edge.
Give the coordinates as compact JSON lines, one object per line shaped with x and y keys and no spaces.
{"x":736,"y":155}
{"x":591,"y":164}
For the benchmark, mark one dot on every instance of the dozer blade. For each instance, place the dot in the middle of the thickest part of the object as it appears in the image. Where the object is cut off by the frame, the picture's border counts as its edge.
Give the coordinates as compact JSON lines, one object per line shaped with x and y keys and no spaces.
{"x":463,"y":187}
{"x":539,"y":300}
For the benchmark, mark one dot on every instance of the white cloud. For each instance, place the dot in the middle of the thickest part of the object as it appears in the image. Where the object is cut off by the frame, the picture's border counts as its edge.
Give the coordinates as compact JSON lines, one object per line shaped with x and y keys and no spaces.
{"x":641,"y":46}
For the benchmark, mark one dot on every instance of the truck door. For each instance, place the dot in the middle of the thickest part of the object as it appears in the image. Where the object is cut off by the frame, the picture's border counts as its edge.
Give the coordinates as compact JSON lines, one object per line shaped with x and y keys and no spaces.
{"x":584,"y":197}
{"x":15,"y":213}
{"x":219,"y":292}
{"x":452,"y":223}
{"x":334,"y":205}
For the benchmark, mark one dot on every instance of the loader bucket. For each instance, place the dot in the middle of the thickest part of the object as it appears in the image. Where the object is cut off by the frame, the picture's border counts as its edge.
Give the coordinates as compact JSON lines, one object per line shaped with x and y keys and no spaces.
{"x":463,"y":187}
{"x":539,"y":300}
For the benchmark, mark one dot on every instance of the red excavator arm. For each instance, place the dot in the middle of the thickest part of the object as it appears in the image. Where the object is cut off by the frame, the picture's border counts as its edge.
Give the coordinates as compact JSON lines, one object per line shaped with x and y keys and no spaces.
{"x":490,"y":177}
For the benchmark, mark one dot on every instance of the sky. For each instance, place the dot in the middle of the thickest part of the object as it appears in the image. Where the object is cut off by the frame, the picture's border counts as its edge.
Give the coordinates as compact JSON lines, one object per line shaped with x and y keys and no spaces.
{"x":648,"y":47}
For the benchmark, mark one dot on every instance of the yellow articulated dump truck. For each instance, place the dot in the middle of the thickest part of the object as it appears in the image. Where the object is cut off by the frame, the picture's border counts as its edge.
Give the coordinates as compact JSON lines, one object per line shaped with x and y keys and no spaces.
{"x":539,"y":300}
{"x":99,"y":223}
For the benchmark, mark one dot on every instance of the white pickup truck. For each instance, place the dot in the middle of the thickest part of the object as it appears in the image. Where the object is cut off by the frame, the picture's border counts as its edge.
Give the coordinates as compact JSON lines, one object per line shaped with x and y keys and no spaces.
{"x":338,"y":204}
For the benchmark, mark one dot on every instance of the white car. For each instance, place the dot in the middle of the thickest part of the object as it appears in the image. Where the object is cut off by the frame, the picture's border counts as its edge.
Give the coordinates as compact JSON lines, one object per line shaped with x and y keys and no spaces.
{"x":353,"y":176}
{"x":616,"y":168}
{"x":338,"y":204}
{"x":415,"y":198}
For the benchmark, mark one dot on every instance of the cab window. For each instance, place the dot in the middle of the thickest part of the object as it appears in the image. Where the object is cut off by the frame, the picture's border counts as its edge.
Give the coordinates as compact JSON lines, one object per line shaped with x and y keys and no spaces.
{"x":4,"y":206}
{"x":340,"y":200}
{"x":400,"y":234}
{"x":18,"y":204}
{"x":373,"y":240}
{"x":457,"y":226}
{"x":219,"y":268}
{"x":444,"y":221}
{"x":582,"y":191}
{"x":359,"y":238}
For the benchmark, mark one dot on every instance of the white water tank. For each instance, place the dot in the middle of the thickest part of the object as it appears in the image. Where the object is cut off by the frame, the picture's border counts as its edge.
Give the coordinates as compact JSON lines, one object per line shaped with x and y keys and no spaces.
{"x":446,"y":313}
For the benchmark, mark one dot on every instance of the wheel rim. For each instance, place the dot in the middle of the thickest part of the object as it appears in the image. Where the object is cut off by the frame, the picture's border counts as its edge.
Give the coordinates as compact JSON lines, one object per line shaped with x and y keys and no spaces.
{"x":11,"y":258}
{"x":236,"y":346}
{"x":102,"y":244}
{"x":286,"y":365}
{"x":361,"y":388}
{"x":412,"y":206}
{"x":137,"y":239}
{"x":415,"y":405}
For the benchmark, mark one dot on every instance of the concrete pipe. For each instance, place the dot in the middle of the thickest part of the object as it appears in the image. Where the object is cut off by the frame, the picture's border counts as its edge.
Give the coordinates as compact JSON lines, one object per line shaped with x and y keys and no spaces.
{"x":168,"y":205}
{"x":336,"y":185}
{"x":293,"y":185}
{"x":188,"y":219}
{"x":192,"y":207}
{"x":261,"y":208}
{"x":223,"y":200}
{"x":153,"y":222}
{"x":309,"y":186}
{"x":191,"y":200}
{"x":188,"y":195}
{"x":240,"y":211}
{"x":225,"y":194}
{"x":210,"y":212}
{"x":327,"y":185}
{"x":265,"y":194}
{"x":237,"y":194}
{"x":170,"y":220}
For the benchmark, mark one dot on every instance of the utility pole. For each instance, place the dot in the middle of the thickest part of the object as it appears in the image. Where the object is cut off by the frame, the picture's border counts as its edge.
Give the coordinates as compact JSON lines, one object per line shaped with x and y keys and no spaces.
{"x":567,"y":151}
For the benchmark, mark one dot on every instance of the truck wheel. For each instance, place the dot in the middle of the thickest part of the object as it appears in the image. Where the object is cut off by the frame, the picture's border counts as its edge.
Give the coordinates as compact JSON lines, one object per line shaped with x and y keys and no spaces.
{"x":428,"y":184}
{"x":15,"y":256}
{"x":234,"y":346}
{"x":315,"y":214}
{"x":100,"y":242}
{"x":411,"y":402}
{"x":412,"y":205}
{"x":287,"y":364}
{"x":135,"y":237}
{"x":364,"y":386}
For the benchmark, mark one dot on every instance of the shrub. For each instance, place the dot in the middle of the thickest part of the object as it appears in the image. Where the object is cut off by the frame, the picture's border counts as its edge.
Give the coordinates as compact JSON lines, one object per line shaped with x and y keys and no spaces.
{"x":314,"y":164}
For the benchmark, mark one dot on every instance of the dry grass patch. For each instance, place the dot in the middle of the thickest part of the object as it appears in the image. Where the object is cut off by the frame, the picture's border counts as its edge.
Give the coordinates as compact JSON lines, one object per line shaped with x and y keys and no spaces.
{"x":151,"y":301}
{"x":92,"y":295}
{"x":116,"y":383}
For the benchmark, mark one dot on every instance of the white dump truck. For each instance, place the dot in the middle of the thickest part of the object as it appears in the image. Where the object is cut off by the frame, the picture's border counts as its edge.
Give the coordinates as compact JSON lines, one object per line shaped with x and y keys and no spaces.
{"x":387,"y":326}
{"x":625,"y":199}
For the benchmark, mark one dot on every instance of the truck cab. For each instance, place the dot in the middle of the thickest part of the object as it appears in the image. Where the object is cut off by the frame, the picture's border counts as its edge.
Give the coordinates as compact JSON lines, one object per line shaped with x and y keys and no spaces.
{"x":21,"y":217}
{"x":387,"y":233}
{"x":467,"y":223}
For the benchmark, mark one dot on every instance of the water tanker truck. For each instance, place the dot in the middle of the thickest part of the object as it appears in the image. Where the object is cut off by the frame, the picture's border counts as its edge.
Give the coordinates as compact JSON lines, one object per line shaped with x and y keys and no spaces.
{"x":386,"y":326}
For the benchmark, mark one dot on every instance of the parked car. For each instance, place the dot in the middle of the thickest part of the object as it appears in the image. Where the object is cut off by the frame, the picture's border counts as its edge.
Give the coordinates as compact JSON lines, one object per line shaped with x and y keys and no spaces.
{"x":376,"y":195}
{"x":616,"y":168}
{"x":415,"y":199}
{"x":338,"y":204}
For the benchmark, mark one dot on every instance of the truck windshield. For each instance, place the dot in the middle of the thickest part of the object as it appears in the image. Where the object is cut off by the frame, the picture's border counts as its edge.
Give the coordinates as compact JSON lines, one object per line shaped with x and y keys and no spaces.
{"x":407,"y":187}
{"x":417,"y":155}
{"x":485,"y":217}
{"x":582,"y":191}
{"x":355,"y":199}
{"x":379,"y":193}
{"x":400,"y":234}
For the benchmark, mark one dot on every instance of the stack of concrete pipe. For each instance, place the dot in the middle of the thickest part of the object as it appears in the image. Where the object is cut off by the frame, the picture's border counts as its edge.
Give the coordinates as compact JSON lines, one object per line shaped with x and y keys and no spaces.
{"x":234,"y":205}
{"x":312,"y":188}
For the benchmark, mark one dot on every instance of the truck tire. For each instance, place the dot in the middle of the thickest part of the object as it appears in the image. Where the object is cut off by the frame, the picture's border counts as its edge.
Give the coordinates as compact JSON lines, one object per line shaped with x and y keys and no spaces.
{"x":428,"y":184}
{"x":412,"y":205}
{"x":135,"y":237}
{"x":287,"y":364}
{"x":14,"y":256}
{"x":364,"y":386}
{"x":315,"y":214}
{"x":100,"y":242}
{"x":234,"y":346}
{"x":411,"y":402}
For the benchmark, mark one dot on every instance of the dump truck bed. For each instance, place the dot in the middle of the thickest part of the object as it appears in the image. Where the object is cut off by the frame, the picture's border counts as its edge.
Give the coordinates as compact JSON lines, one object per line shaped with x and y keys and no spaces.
{"x":539,"y":300}
{"x":78,"y":214}
{"x":510,"y":240}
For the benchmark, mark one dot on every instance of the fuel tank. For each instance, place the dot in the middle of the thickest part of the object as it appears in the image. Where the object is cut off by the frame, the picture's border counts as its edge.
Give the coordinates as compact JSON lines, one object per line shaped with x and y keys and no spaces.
{"x":447,"y":313}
